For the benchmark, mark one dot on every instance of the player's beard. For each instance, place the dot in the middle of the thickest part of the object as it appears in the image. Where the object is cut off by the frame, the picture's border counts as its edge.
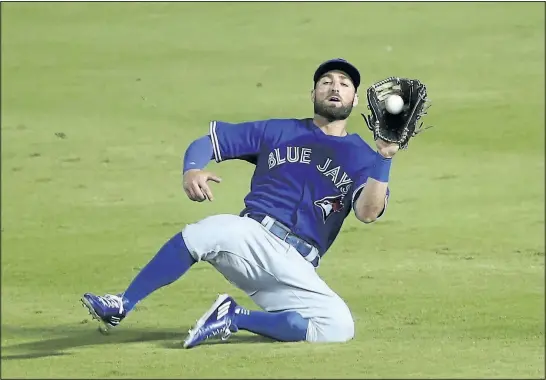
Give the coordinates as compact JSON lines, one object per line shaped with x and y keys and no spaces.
{"x":332,"y":112}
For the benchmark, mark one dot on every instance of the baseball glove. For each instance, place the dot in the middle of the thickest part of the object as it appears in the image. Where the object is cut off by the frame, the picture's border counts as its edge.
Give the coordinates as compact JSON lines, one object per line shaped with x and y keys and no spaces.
{"x":399,"y":128}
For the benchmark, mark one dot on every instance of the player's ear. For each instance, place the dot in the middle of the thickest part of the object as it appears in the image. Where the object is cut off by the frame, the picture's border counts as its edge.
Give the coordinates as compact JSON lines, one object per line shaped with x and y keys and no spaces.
{"x":355,"y":100}
{"x":313,"y":96}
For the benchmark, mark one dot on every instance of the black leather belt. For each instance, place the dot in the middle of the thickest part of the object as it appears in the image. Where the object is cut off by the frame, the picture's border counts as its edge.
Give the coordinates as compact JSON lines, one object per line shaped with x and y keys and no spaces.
{"x":306,"y":250}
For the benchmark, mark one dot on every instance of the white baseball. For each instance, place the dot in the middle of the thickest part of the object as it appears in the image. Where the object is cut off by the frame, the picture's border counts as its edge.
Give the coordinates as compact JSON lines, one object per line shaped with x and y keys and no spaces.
{"x":394,"y":104}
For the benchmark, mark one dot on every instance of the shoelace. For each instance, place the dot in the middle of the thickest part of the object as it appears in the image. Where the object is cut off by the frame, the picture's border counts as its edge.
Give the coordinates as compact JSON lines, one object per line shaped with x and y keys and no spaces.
{"x":225,"y":331}
{"x":226,"y":334}
{"x":112,"y":301}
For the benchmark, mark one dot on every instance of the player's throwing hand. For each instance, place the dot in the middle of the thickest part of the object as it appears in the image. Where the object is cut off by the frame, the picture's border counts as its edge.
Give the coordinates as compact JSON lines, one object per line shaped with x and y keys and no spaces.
{"x":195,"y":184}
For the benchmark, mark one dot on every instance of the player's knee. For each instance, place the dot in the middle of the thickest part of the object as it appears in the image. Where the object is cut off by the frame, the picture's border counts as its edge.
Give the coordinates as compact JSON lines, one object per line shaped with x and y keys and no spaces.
{"x":348,"y":330}
{"x":344,"y":329}
{"x":343,"y":325}
{"x":335,"y":329}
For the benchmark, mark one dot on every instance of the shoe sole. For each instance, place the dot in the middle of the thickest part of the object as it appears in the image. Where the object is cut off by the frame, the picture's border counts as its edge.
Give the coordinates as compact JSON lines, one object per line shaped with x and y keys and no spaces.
{"x":104,"y":328}
{"x":201,"y":321}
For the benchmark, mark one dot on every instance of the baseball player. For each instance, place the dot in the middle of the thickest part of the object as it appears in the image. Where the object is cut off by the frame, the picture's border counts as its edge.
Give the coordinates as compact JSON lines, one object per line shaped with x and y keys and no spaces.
{"x":309,"y":174}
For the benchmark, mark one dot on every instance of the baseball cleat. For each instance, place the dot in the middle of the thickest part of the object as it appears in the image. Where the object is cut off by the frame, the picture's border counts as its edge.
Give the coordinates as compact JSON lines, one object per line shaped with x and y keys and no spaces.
{"x":107,"y":309}
{"x":217,"y":321}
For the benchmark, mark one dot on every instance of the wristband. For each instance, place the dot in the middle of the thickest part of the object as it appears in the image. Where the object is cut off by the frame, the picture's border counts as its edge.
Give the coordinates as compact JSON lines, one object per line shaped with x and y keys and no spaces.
{"x":381,"y":168}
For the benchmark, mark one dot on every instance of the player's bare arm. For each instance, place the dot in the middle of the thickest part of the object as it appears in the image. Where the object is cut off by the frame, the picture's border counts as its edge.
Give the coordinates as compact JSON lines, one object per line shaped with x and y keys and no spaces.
{"x":371,"y":201}
{"x":396,"y":105}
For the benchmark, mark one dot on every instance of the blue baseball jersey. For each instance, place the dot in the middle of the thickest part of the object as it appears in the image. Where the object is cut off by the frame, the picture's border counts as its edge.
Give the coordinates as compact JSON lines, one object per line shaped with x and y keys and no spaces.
{"x":304,"y":178}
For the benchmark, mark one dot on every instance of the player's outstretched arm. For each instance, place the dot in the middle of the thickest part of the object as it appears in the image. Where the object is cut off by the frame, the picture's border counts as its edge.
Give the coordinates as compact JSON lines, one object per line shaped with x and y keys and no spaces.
{"x":196,"y":158}
{"x":371,"y":201}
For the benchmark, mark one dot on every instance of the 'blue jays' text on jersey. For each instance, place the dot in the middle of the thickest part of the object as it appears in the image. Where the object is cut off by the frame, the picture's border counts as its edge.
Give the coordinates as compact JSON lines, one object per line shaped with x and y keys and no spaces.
{"x":304,"y":178}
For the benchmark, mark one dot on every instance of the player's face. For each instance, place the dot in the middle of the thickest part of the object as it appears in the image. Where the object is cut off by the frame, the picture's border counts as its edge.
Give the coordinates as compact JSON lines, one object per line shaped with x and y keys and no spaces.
{"x":334,"y":96}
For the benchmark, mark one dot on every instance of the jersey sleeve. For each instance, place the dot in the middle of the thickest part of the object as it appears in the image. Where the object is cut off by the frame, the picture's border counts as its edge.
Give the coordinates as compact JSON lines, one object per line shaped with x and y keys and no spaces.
{"x":231,"y":141}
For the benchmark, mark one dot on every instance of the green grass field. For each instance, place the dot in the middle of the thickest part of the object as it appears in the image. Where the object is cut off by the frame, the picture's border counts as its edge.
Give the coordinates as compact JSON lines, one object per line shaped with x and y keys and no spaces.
{"x":100,"y":100}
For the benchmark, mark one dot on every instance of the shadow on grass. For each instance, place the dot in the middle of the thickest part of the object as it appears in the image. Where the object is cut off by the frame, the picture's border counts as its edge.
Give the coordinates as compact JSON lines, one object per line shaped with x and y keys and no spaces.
{"x":59,"y":339}
{"x":67,"y":338}
{"x":32,"y":355}
{"x":234,"y":339}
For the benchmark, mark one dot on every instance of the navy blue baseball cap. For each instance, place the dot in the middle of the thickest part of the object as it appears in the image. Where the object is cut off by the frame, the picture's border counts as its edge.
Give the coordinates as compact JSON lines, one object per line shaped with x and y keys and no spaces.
{"x":338,"y":64}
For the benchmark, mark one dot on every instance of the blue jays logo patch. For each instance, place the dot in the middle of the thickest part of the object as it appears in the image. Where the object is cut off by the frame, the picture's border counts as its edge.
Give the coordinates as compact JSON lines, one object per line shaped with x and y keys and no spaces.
{"x":330,"y":205}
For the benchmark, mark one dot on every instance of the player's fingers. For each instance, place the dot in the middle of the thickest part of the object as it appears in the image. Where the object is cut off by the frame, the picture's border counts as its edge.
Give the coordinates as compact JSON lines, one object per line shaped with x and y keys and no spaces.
{"x":190,"y":193}
{"x":199,"y":196}
{"x":207,"y":191}
{"x":187,"y":190}
{"x":214,"y":178}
